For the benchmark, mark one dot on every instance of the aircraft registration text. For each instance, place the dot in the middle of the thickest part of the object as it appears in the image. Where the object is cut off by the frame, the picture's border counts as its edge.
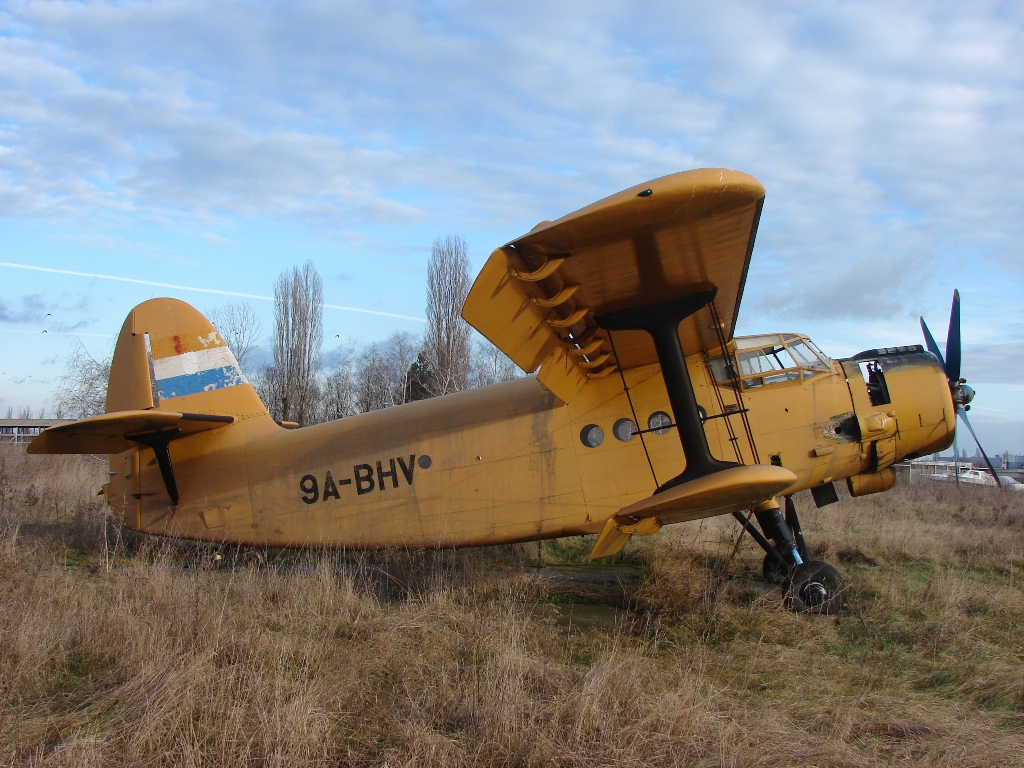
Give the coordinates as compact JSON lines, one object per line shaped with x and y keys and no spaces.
{"x":365,"y":477}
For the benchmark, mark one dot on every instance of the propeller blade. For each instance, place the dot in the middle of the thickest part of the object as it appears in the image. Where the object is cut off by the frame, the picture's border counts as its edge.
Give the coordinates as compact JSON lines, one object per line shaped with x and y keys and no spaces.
{"x":953,"y":341}
{"x":963,"y":415}
{"x":956,"y":460}
{"x":932,"y":346}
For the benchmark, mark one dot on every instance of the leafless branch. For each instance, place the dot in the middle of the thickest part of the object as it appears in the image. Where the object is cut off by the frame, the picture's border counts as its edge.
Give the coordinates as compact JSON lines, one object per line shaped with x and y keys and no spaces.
{"x":491,"y":365}
{"x":82,"y":390}
{"x":239,"y":327}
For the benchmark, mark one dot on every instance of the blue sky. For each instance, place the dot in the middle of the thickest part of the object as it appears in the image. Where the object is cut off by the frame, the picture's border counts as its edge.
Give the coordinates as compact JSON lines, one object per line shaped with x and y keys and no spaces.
{"x":215,"y":144}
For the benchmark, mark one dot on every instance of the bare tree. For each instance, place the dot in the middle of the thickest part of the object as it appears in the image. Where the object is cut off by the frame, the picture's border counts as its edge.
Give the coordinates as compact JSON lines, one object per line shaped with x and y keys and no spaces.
{"x":401,"y":351}
{"x":418,"y":380}
{"x":382,"y":379}
{"x":267,"y":383}
{"x":446,"y":344}
{"x":239,"y":327}
{"x":338,"y":394}
{"x":491,"y":365}
{"x":82,"y":389}
{"x":373,"y":390}
{"x":298,"y":339}
{"x":338,"y":388}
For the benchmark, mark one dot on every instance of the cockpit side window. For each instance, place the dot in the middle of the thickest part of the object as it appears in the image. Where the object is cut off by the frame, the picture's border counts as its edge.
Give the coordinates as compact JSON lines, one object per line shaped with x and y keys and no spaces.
{"x":787,"y":359}
{"x":804,"y":353}
{"x":755,"y":362}
{"x":770,"y":365}
{"x":821,"y":355}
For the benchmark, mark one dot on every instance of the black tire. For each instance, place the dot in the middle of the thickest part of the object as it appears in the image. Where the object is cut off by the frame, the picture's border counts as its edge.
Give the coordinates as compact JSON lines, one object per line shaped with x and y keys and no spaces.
{"x":775,"y":571}
{"x":816,"y":587}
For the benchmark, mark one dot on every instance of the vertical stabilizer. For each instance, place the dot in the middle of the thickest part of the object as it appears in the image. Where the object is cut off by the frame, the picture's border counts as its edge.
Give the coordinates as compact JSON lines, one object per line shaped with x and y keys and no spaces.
{"x":171,"y":358}
{"x":129,"y":386}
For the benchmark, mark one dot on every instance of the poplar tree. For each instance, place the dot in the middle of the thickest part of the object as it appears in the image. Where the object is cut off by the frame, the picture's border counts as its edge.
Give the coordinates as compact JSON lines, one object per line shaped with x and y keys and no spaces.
{"x":446,"y":345}
{"x":298,"y":340}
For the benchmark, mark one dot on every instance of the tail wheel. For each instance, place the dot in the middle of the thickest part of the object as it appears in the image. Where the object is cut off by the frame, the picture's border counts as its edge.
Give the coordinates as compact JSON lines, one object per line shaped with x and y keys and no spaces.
{"x":816,"y":587}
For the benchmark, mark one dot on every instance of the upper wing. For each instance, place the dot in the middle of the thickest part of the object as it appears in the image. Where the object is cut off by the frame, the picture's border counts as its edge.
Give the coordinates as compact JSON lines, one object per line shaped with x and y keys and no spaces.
{"x":536,"y":298}
{"x":112,"y":433}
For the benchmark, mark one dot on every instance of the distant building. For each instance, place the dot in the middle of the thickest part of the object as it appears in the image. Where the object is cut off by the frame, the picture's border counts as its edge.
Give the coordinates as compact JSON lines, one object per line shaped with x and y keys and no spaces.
{"x":24,"y":430}
{"x":999,"y":460}
{"x":1006,"y":465}
{"x":1010,"y":461}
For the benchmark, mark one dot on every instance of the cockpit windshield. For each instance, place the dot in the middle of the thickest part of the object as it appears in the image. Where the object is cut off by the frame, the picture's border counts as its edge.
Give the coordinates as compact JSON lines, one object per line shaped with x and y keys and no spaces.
{"x":770,"y":359}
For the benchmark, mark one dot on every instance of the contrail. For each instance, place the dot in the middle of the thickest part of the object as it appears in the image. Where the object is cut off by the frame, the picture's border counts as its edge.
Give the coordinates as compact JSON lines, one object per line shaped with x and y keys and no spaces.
{"x":59,"y":333}
{"x":217,"y":291}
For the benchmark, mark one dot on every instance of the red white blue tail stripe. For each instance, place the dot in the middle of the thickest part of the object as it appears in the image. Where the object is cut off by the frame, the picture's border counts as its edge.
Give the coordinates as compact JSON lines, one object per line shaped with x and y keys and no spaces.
{"x":193,"y":372}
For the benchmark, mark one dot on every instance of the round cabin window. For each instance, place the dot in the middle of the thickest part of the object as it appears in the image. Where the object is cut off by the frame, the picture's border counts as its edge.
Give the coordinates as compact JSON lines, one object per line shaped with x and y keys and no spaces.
{"x":591,"y":435}
{"x":659,"y":423}
{"x":624,"y":430}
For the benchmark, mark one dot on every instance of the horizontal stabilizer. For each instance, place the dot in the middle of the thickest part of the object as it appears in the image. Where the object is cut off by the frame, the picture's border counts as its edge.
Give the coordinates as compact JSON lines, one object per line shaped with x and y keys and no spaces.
{"x":112,"y":433}
{"x":716,"y":494}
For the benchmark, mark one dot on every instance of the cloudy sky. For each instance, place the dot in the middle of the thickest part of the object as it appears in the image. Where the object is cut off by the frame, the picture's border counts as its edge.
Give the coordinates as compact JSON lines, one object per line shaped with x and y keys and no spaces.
{"x":211,"y":145}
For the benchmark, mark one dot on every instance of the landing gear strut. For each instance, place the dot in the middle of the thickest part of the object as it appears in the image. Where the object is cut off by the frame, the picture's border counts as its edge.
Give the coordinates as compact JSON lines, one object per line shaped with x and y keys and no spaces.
{"x":811,"y":586}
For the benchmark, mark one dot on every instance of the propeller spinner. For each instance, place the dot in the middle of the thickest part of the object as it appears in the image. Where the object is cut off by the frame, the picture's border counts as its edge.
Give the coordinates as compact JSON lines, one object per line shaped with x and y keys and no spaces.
{"x":961,"y":393}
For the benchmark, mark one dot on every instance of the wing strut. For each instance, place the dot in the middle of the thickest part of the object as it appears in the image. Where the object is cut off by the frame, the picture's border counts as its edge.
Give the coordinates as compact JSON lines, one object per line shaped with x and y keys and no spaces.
{"x":737,"y":391}
{"x":632,"y":410}
{"x":662,"y":322}
{"x":159,"y":441}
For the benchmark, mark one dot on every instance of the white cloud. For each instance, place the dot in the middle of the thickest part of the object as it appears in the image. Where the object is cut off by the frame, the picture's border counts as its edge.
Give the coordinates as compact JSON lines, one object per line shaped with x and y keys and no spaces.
{"x":216,"y":239}
{"x":890,"y":136}
{"x":328,"y":111}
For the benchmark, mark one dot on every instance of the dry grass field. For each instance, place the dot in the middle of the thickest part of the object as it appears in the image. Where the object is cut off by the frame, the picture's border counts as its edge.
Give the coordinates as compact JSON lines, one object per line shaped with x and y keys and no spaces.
{"x":118,"y":650}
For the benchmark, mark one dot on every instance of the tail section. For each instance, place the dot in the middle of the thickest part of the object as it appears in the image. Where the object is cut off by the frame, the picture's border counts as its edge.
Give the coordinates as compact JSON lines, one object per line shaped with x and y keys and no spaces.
{"x":179,"y":412}
{"x":192,"y":369}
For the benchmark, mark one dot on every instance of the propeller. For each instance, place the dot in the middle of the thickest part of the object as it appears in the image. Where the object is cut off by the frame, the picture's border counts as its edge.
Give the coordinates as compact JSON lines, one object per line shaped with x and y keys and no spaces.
{"x":962,"y":394}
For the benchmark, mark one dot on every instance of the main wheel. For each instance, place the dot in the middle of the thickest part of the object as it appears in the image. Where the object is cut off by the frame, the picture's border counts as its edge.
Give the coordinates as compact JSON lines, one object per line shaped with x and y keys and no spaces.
{"x":774,"y":570}
{"x":816,"y":587}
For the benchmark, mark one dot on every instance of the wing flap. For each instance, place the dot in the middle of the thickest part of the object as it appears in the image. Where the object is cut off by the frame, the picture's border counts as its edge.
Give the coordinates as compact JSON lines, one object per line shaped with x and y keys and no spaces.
{"x":112,"y":433}
{"x":715,"y":494}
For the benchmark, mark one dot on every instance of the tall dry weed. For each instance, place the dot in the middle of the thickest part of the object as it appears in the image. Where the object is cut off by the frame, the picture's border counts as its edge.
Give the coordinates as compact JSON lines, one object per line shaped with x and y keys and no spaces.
{"x":147,"y":655}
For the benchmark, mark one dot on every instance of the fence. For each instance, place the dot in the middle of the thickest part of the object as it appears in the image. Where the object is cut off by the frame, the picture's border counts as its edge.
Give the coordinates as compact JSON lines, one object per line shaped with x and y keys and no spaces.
{"x":20,"y":431}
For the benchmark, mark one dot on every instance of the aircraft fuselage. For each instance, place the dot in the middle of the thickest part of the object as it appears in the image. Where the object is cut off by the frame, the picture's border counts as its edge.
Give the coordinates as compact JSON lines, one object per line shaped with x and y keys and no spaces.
{"x":511,"y":462}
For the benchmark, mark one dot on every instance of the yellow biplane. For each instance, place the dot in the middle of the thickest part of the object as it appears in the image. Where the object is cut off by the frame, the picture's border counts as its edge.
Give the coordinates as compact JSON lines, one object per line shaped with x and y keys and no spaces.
{"x":645,"y":409}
